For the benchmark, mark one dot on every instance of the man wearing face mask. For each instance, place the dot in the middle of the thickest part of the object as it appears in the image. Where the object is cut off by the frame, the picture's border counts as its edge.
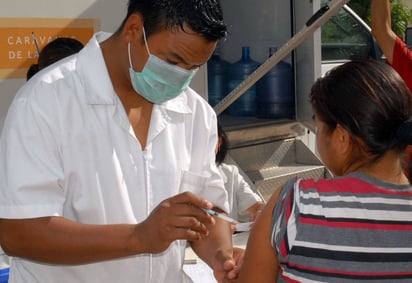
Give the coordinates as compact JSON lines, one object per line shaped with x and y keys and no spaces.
{"x":107,"y":158}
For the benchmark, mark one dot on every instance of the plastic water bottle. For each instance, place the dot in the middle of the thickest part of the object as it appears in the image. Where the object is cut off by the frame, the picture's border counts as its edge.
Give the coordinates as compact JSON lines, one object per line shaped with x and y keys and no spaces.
{"x":274,"y":92}
{"x":4,"y":275}
{"x":245,"y":105}
{"x":4,"y":267}
{"x":216,"y":78}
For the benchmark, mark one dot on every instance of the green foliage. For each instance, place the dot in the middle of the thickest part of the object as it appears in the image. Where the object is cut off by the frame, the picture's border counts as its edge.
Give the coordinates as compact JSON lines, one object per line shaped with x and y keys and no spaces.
{"x":400,"y":13}
{"x":401,"y":16}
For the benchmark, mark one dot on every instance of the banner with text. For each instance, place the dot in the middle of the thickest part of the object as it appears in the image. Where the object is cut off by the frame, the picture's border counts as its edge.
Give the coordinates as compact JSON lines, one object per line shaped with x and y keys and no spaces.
{"x":18,"y":36}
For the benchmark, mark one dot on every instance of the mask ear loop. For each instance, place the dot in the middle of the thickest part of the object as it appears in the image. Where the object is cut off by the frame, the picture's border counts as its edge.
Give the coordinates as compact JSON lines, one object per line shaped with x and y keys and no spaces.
{"x":130,"y":57}
{"x":145,"y":41}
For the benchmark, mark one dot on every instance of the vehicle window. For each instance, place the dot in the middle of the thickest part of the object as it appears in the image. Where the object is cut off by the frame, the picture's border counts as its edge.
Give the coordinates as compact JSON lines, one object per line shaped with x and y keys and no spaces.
{"x":345,"y":38}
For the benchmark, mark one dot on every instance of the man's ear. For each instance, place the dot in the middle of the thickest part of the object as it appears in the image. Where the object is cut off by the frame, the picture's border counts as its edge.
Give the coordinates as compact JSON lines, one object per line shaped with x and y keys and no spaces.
{"x":133,"y":28}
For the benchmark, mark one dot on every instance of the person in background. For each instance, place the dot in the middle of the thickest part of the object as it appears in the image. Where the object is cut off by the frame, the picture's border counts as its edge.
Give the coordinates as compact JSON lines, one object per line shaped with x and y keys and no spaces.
{"x":357,"y":226}
{"x":396,"y":52}
{"x":394,"y":48}
{"x":55,"y":50}
{"x":242,"y":199}
{"x":93,"y":151}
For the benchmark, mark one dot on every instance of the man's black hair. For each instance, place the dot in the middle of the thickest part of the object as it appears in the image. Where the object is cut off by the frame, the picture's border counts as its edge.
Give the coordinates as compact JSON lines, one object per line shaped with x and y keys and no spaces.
{"x":204,"y":17}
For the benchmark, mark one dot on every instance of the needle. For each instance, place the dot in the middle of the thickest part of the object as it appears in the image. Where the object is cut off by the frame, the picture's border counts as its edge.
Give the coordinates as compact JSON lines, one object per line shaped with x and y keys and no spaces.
{"x":220,"y":215}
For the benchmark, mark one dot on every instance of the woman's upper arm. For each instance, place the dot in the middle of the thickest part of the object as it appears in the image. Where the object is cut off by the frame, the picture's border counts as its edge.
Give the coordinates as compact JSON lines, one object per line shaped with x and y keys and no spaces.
{"x":260,"y":262}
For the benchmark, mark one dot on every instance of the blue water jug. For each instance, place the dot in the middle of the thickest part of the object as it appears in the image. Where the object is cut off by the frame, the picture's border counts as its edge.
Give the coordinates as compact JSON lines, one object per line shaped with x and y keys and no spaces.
{"x":274,"y":92}
{"x":216,"y":78}
{"x":4,"y":275}
{"x":237,"y":72}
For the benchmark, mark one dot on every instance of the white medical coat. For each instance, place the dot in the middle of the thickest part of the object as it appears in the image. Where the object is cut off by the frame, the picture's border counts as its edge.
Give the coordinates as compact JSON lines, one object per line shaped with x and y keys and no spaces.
{"x":240,"y":194}
{"x":68,"y":149}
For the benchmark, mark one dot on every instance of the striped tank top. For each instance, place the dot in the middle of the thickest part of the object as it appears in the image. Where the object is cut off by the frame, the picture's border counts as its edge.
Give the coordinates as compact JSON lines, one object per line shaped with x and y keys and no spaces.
{"x":348,"y":229}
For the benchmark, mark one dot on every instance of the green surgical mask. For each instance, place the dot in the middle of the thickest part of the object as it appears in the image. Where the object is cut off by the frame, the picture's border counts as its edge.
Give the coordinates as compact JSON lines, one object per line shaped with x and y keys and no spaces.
{"x":159,"y":81}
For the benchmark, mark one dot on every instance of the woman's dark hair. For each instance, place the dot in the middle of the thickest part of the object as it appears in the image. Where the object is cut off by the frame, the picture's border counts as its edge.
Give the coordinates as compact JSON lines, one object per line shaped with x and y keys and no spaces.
{"x":204,"y":17}
{"x":370,"y":100}
{"x":54,"y":51}
{"x":224,"y":143}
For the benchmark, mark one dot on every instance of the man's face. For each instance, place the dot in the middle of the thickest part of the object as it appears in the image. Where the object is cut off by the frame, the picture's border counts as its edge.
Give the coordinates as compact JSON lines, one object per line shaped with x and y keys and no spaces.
{"x":182,"y":48}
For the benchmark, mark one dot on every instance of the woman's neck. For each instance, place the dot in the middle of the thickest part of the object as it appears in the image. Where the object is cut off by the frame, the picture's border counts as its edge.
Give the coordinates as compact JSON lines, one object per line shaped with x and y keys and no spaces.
{"x":388,"y":168}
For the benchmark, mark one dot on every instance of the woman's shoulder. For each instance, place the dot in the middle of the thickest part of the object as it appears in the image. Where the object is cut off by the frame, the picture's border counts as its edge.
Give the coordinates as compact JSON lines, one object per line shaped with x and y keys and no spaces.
{"x":345,"y":184}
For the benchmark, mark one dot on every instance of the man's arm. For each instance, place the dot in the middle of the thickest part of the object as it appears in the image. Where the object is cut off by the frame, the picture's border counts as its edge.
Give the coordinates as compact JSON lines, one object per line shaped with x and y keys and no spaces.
{"x":381,"y":27}
{"x":61,"y":241}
